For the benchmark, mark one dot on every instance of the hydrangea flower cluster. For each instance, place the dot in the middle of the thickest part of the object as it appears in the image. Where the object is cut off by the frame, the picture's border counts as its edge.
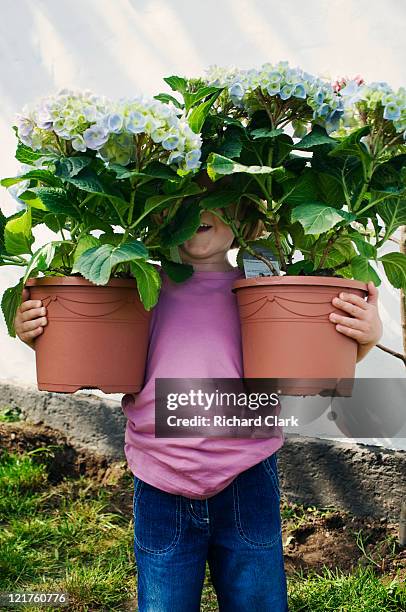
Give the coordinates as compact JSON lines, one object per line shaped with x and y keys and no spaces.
{"x":67,"y":114}
{"x":113,"y":135}
{"x":378,"y":98}
{"x":113,"y":129}
{"x":285,"y":83}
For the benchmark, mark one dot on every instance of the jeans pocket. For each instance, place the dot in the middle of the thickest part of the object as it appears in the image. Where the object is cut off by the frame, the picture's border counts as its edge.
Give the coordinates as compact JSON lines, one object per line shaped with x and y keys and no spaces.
{"x":257,"y":508}
{"x":270,"y":465}
{"x":157,"y":518}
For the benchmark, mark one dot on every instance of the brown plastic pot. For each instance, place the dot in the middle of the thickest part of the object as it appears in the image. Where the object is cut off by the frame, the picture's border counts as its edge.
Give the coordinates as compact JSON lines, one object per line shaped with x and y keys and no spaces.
{"x":96,"y":336}
{"x":287,"y":334}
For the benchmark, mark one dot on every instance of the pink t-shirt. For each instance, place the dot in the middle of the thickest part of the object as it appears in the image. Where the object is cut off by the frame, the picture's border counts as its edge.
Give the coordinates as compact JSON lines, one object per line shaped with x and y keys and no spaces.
{"x":195,"y":333}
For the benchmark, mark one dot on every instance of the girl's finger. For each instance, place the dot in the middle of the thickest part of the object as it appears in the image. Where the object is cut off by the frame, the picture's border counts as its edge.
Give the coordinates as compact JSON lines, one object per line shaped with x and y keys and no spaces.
{"x":347,"y":321}
{"x":28,"y":304}
{"x":350,"y":332}
{"x":29,"y":335}
{"x":353,"y":299}
{"x":32,"y":313}
{"x":373,"y":294}
{"x":352,"y":309}
{"x":30,"y":325}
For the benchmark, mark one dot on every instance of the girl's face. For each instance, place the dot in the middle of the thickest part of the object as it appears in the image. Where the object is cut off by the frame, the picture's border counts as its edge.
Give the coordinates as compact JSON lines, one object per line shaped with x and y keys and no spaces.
{"x":209,"y":245}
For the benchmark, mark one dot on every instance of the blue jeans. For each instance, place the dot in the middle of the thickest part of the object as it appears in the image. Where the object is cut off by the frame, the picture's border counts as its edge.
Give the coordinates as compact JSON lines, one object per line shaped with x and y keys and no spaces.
{"x":238,"y":531}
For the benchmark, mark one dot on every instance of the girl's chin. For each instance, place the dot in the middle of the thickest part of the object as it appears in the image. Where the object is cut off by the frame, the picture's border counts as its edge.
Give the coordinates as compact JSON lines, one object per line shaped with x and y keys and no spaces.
{"x":197,"y":247}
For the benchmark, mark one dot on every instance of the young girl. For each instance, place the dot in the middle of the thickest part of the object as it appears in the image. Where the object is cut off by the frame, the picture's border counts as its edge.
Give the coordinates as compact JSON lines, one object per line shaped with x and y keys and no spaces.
{"x":206,"y":499}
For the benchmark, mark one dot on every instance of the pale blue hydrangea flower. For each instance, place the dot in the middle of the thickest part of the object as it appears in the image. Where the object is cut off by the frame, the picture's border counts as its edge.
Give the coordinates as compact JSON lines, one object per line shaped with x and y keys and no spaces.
{"x":96,"y":136}
{"x":170,"y":142}
{"x":391,"y":111}
{"x":299,"y":91}
{"x":192,"y":159}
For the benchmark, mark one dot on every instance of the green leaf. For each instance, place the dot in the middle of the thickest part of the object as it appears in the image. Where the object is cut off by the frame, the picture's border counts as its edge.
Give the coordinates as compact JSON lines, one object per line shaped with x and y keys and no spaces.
{"x":301,"y":267}
{"x":3,"y":221}
{"x":63,"y":253}
{"x":160,"y":202}
{"x":199,"y":113}
{"x":87,"y":180}
{"x":316,"y":218}
{"x":18,"y":237}
{"x":57,"y":201}
{"x":231,"y":146}
{"x":352,"y":145}
{"x":318,"y":136}
{"x":393,"y":213}
{"x":395,"y":269}
{"x":331,"y":190}
{"x":178,"y":272}
{"x":31,"y":199}
{"x":265,"y":133}
{"x":302,"y":190}
{"x":45,"y":176}
{"x":96,"y":264}
{"x":192,"y":98}
{"x":165,"y":98}
{"x":66,"y":167}
{"x":26,"y":155}
{"x":10,"y":302}
{"x":41,"y":259}
{"x":364,"y":248}
{"x":183,"y":225}
{"x":153,"y":170}
{"x":340,"y":251}
{"x":219,"y":199}
{"x":148,"y":282}
{"x":158,"y":170}
{"x":176,"y":83}
{"x":85,"y":243}
{"x":54,"y":222}
{"x":218,"y":166}
{"x":363,"y":271}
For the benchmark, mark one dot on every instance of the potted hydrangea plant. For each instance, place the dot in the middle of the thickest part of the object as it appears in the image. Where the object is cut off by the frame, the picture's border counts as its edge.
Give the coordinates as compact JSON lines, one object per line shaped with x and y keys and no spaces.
{"x":323,"y":166}
{"x":94,"y":171}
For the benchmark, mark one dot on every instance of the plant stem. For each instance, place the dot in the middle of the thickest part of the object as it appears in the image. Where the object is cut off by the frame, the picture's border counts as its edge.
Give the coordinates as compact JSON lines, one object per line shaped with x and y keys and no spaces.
{"x":132,"y":200}
{"x":13,"y":262}
{"x":329,"y":244}
{"x":392,"y":352}
{"x":245,"y":245}
{"x":279,"y":246}
{"x":118,"y":212}
{"x":265,"y":106}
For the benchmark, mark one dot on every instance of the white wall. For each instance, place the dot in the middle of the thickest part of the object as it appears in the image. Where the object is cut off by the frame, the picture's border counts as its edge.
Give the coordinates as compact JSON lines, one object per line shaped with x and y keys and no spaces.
{"x":124,"y":47}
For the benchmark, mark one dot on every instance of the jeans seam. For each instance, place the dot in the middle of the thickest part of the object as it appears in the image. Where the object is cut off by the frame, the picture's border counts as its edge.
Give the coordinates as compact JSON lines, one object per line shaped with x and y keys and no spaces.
{"x":239,"y":526}
{"x":269,"y":470}
{"x":175,"y":538}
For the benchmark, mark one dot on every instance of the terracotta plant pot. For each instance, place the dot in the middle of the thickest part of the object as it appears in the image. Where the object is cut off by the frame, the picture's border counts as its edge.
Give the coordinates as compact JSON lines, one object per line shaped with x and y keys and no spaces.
{"x":287,"y":334}
{"x":96,"y":336}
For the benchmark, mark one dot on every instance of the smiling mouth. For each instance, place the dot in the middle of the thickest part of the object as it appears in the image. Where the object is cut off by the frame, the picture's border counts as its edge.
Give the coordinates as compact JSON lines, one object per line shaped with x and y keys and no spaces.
{"x":204,"y":227}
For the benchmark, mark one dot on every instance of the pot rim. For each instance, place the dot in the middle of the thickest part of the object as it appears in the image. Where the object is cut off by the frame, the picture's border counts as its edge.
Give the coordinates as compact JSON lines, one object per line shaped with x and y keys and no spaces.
{"x":78,"y":280}
{"x":329,"y":281}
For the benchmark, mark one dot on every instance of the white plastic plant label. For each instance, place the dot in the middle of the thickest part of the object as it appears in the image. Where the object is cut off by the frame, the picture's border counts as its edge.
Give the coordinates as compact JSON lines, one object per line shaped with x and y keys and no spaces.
{"x":255,"y":267}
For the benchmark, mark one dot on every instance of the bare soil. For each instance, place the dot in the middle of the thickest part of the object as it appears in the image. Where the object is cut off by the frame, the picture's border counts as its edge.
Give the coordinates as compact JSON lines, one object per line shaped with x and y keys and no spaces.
{"x":312,"y":540}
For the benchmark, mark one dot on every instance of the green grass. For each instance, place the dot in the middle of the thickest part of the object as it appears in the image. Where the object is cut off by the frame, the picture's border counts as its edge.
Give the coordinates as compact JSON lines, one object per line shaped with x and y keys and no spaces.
{"x":72,"y":537}
{"x":362,"y":591}
{"x":9,"y":415}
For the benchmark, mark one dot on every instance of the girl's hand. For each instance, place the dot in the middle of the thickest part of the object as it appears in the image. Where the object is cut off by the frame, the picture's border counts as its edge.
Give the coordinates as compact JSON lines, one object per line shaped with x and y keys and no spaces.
{"x":30,"y":319}
{"x":364,"y":324}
